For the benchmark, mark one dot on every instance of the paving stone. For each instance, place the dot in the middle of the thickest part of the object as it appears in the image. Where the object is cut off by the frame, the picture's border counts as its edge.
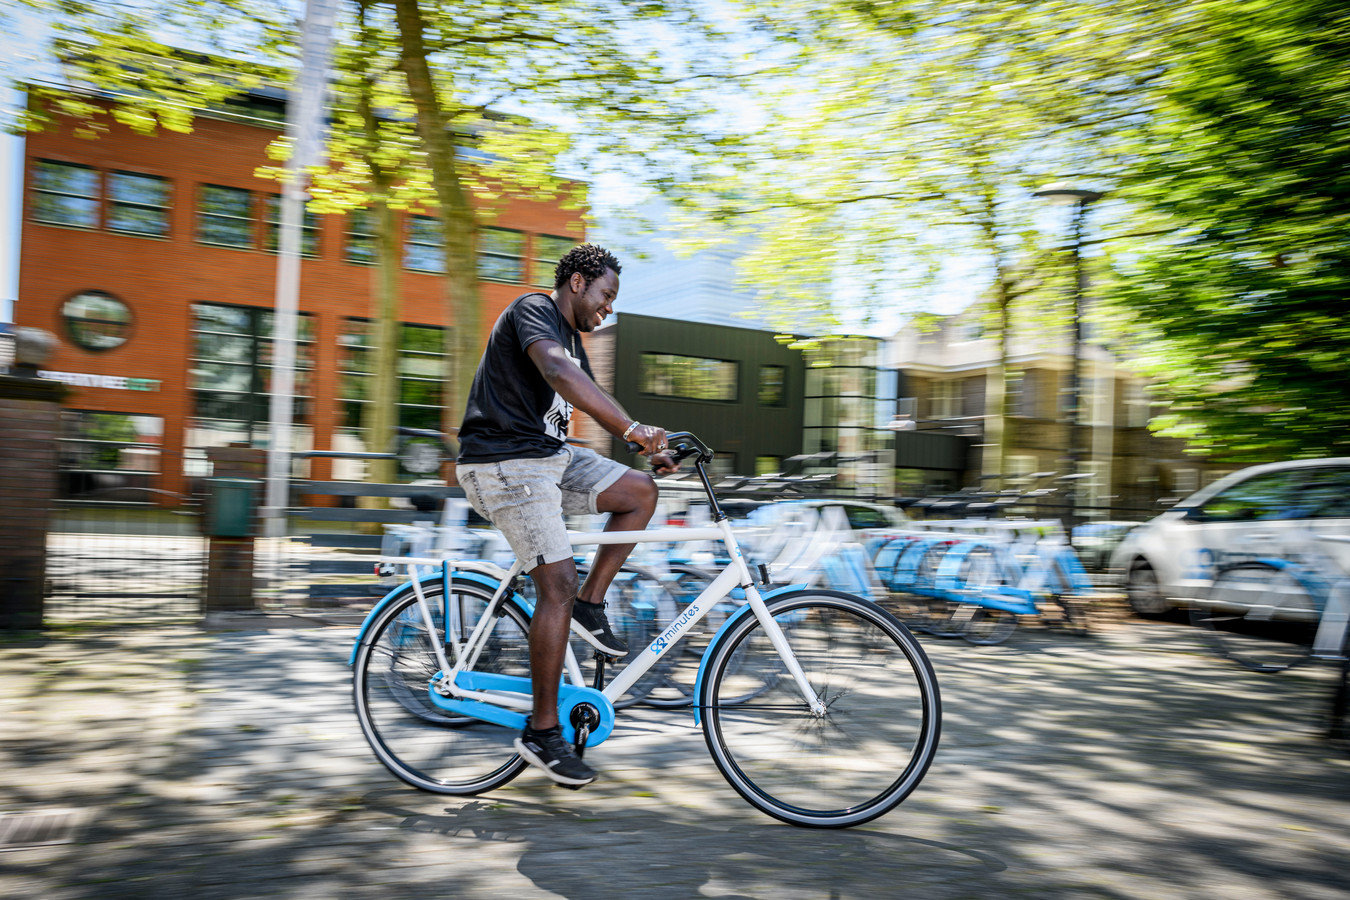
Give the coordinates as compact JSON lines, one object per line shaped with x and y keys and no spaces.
{"x":230,"y":764}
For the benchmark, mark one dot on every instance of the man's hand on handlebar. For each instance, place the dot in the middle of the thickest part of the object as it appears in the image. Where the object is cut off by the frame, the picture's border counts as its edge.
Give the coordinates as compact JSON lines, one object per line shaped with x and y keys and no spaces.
{"x":652,"y":441}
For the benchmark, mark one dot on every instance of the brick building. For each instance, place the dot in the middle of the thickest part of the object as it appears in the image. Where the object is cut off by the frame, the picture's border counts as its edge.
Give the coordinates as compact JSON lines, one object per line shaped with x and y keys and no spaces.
{"x":152,"y":258}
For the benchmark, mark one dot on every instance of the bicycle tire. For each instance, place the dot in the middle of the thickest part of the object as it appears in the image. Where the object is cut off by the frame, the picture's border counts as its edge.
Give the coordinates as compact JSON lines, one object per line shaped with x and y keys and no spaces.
{"x":418,"y":742}
{"x":1260,"y":616}
{"x":866,"y":754}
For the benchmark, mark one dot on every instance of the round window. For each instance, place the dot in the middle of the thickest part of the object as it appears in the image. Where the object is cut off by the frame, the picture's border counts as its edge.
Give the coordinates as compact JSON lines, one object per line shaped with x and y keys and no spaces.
{"x":96,"y":321}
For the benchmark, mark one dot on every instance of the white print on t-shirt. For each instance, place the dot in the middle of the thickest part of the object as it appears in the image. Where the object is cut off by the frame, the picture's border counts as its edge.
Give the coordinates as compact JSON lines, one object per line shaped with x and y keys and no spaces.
{"x":559,"y":414}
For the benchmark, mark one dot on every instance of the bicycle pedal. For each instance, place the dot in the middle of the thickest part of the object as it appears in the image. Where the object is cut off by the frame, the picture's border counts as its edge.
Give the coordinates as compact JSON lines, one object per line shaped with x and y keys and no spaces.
{"x":570,"y":787}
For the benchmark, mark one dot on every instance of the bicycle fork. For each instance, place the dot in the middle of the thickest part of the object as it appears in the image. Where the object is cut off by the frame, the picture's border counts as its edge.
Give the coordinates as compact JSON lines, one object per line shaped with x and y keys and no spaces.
{"x":771,"y":627}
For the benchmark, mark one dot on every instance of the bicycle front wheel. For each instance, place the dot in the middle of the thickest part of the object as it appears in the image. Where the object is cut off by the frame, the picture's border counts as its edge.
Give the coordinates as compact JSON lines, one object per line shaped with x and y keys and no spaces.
{"x":1259,"y":616}
{"x":416,"y":740}
{"x":878,"y":734}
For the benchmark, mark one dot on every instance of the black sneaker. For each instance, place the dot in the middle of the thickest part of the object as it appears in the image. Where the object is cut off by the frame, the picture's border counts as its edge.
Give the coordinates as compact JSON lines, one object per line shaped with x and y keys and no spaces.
{"x":595,"y":628}
{"x":547,"y":751}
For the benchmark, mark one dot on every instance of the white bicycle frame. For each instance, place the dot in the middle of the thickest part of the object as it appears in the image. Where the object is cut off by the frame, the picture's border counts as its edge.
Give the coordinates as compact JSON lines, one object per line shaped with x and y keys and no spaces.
{"x":736,"y":574}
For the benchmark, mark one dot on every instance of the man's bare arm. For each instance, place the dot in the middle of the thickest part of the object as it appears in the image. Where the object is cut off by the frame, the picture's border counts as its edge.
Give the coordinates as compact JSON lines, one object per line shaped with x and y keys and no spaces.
{"x":577,"y":388}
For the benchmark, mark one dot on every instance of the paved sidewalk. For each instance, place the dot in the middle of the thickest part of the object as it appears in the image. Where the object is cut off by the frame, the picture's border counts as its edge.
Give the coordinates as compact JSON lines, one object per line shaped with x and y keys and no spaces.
{"x":227,"y":765}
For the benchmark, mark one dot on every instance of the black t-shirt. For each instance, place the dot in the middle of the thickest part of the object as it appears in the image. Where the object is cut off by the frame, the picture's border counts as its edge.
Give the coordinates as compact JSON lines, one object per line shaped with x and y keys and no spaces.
{"x":512,"y":412}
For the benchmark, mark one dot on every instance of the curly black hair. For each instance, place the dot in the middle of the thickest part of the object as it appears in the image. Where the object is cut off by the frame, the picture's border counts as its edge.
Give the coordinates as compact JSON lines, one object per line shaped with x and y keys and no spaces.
{"x":591,"y":260}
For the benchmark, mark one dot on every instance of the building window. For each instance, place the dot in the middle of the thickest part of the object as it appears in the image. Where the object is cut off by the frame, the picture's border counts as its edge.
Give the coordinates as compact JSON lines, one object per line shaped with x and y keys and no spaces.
{"x":1022,"y":394}
{"x":548,"y":249}
{"x":225,"y":217}
{"x":772,"y":385}
{"x":138,"y":204}
{"x":359,"y":245}
{"x":102,"y":452}
{"x":501,"y":255}
{"x":309,"y":229}
{"x":689,"y":377}
{"x":1137,"y":405}
{"x":96,"y":321}
{"x":421,"y":376}
{"x":946,"y":399}
{"x":231,"y":375}
{"x":65,"y":194}
{"x":425,"y":248}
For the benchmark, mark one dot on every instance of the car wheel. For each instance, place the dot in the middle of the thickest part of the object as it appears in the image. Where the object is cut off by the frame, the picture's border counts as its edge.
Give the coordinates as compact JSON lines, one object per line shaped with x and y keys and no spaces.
{"x":1142,"y":590}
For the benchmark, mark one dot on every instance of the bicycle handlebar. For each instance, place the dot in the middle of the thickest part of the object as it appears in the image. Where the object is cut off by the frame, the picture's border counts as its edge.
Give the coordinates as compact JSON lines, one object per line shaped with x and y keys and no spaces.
{"x":681,"y":445}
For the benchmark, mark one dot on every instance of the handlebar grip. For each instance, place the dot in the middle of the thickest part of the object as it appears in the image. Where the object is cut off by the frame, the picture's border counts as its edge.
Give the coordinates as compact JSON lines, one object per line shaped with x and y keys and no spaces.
{"x":633,"y":448}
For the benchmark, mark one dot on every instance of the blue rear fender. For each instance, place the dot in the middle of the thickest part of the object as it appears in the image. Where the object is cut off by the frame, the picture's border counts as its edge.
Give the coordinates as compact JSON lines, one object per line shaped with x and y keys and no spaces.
{"x":406,"y":588}
{"x":731,"y":620}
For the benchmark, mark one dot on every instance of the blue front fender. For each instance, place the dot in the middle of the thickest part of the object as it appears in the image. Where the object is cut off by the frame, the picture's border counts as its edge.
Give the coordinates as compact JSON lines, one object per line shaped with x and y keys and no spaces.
{"x":406,"y":588}
{"x":731,"y":620}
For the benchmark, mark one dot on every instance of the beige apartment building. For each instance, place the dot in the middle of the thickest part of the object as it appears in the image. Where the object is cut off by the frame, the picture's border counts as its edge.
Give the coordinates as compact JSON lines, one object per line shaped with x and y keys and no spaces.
{"x":949,"y":385}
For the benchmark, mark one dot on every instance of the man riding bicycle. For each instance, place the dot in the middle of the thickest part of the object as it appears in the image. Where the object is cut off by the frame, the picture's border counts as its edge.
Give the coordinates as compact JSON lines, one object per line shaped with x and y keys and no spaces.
{"x":519,"y":473}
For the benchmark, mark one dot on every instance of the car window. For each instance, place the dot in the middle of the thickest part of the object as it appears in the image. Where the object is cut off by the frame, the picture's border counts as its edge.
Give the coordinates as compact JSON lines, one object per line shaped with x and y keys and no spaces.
{"x":1270,"y":495}
{"x":865,"y":517}
{"x":1324,"y":494}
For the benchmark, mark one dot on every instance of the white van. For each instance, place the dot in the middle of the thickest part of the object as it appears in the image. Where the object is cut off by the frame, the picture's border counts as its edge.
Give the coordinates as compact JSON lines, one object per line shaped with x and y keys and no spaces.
{"x":1259,"y":512}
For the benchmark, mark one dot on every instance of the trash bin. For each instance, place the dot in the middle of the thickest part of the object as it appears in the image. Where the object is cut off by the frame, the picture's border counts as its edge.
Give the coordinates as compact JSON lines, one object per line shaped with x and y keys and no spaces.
{"x":230,"y":506}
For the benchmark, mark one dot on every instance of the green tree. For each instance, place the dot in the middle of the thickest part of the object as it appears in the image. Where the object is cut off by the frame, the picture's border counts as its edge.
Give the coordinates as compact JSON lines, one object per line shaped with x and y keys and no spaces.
{"x":499,"y":98}
{"x":1242,"y":308}
{"x":911,"y":133}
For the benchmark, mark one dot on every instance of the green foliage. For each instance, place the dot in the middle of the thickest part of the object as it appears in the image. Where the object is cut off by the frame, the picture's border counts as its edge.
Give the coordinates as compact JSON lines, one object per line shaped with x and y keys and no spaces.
{"x":903,"y":135}
{"x":1246,"y":158}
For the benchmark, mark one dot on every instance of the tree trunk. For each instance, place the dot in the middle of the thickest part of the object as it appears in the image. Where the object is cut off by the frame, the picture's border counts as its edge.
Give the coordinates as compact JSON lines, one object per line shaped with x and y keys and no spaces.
{"x":457,"y":217}
{"x":379,"y":416}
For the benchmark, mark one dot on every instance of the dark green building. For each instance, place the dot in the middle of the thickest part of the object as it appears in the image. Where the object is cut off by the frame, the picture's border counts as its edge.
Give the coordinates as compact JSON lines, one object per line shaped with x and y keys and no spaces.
{"x":738,"y":389}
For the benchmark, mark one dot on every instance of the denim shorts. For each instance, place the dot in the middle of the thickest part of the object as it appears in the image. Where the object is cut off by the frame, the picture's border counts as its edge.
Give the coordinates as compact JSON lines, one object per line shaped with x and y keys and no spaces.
{"x":526,"y":498}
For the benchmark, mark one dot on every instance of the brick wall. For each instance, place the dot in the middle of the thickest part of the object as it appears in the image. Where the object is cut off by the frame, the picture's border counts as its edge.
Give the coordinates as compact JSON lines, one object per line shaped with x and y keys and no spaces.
{"x":160,"y":279}
{"x":30,"y":422}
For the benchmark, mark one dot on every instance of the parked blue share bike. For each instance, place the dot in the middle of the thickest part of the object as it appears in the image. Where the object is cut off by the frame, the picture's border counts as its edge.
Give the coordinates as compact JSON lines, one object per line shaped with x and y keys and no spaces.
{"x":818,"y":707}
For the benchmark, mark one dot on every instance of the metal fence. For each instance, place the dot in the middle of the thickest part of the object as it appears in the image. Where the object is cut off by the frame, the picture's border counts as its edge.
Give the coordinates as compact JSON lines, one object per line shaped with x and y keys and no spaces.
{"x":133,"y":554}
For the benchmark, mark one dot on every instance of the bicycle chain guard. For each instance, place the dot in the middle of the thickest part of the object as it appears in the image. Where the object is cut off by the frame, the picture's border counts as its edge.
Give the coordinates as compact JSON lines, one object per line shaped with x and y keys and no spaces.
{"x":569,"y":698}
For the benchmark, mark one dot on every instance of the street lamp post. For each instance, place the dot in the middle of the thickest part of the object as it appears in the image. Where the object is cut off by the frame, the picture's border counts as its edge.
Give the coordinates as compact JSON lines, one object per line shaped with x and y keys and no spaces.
{"x":1080,"y":199}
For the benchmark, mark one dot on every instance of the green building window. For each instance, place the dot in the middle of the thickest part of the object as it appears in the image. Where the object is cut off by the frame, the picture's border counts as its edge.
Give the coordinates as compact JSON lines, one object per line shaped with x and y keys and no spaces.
{"x":772,"y":386}
{"x":688,"y":377}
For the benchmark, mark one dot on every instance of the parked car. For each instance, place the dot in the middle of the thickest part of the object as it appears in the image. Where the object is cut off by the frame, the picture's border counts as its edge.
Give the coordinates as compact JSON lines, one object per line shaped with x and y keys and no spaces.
{"x":1095,"y":542}
{"x":1262,"y":511}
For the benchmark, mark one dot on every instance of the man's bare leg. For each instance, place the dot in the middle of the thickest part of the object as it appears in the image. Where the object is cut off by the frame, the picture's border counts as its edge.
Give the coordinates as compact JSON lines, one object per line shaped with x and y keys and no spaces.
{"x":630,"y":501}
{"x":555,"y":586}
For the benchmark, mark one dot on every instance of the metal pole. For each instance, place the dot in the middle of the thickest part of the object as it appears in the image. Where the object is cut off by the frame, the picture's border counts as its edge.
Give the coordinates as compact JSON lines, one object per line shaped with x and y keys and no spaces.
{"x":305,"y":127}
{"x":1076,"y":358}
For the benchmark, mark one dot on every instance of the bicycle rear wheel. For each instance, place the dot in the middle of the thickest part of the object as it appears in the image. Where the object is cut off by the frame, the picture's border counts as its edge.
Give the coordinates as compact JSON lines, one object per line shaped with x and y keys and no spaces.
{"x":876,"y":739}
{"x":416,"y":740}
{"x":1259,"y":616}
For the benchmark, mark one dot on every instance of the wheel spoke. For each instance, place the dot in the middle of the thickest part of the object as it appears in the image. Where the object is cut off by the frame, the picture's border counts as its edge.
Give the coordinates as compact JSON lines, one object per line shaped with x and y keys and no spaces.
{"x":870,"y":748}
{"x":417,"y":740}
